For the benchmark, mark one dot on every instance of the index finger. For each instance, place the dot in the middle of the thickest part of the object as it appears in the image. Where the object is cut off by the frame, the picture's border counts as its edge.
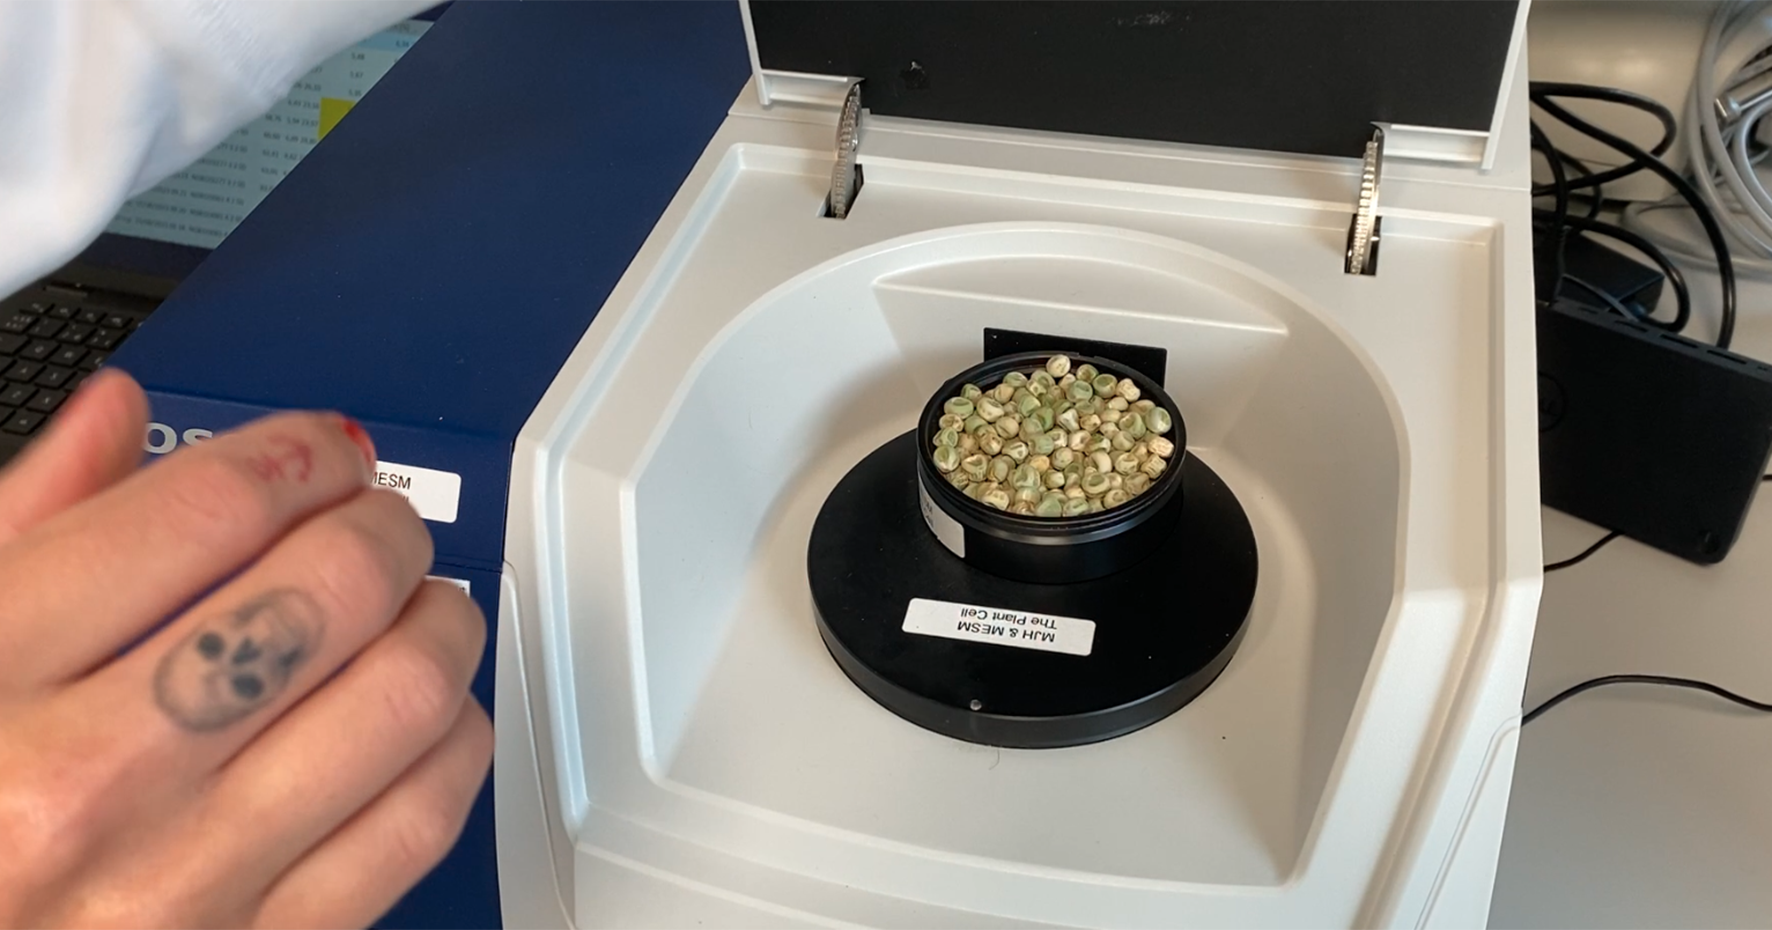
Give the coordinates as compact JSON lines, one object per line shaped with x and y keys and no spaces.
{"x":175,"y":529}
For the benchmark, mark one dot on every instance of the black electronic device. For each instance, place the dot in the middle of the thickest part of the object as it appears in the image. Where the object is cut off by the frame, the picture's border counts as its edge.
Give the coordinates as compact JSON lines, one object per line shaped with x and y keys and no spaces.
{"x":1589,"y":269}
{"x":1659,"y":437}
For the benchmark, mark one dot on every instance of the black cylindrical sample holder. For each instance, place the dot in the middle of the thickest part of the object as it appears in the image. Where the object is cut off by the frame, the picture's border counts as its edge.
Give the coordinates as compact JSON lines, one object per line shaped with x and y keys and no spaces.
{"x":1049,"y":550}
{"x":1158,"y":633}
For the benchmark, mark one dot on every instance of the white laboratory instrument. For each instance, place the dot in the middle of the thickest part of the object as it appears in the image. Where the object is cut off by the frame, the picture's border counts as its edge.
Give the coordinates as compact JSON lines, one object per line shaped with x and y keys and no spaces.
{"x":677,"y":747}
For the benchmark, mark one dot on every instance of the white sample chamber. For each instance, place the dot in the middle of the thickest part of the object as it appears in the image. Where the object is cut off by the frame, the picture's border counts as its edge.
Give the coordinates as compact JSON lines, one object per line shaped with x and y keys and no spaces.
{"x":675,"y":746}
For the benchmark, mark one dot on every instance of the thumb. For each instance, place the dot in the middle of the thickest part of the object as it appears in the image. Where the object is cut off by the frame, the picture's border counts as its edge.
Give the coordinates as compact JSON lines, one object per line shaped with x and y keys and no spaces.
{"x":93,"y":442}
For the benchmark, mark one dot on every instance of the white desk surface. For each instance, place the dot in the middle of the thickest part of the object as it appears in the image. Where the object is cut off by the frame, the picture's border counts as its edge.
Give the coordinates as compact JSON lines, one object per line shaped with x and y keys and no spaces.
{"x":1643,"y":806}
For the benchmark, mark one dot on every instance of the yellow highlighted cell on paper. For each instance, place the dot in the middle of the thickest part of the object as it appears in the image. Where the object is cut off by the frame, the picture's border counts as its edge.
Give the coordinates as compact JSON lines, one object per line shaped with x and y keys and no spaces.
{"x":332,"y":109}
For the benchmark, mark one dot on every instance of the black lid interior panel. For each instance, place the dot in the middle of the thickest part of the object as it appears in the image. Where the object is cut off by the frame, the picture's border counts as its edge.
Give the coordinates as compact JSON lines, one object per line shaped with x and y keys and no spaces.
{"x":1306,"y":76}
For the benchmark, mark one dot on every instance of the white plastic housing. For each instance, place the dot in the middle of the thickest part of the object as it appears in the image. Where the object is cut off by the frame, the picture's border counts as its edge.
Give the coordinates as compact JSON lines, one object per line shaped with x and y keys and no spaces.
{"x":675,"y":745}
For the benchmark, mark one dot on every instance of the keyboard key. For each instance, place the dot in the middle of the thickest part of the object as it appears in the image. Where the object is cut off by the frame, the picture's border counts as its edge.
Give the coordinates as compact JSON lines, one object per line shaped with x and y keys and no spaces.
{"x":94,"y":360}
{"x":38,"y":350}
{"x":68,"y":355}
{"x":75,"y":333}
{"x":10,"y":343}
{"x":90,"y":317}
{"x":17,"y":395}
{"x":18,"y":323}
{"x":62,"y":312}
{"x":47,"y":401}
{"x":54,"y":377}
{"x":23,"y":371}
{"x":117,"y":321}
{"x":23,"y":422}
{"x":105,"y":339}
{"x":47,"y":328}
{"x":38,"y":306}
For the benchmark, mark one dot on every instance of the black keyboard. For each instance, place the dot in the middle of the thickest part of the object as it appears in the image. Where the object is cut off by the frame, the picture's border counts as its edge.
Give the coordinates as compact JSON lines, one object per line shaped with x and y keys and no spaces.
{"x":51,"y":338}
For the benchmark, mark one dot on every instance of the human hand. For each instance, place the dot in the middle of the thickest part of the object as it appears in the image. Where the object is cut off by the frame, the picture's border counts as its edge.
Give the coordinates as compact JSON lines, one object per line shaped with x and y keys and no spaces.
{"x":295,"y":747}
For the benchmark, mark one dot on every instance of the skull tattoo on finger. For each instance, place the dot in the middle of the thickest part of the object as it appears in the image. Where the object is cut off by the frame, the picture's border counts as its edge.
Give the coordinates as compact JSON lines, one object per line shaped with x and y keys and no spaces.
{"x":232,"y":665}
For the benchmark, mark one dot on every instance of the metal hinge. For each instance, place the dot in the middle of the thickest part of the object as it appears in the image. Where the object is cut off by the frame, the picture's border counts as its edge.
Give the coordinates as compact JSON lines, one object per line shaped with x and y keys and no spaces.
{"x":846,"y":174}
{"x":1363,"y":231}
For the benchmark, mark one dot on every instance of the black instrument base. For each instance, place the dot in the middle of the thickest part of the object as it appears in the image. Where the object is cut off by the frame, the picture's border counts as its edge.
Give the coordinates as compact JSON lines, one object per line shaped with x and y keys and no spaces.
{"x":1164,"y":628}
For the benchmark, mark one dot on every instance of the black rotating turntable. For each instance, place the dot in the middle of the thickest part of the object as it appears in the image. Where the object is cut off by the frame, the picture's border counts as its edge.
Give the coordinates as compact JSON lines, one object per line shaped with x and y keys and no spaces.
{"x":983,"y":658}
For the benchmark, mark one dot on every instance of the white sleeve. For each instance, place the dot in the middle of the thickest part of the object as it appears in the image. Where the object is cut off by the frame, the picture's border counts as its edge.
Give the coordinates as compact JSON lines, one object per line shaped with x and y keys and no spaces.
{"x":103,"y":99}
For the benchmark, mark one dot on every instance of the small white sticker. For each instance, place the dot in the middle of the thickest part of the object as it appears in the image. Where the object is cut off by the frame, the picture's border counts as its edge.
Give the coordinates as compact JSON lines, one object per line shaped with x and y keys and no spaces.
{"x":434,"y":494}
{"x":463,"y":585}
{"x":995,"y":625}
{"x":945,"y":528}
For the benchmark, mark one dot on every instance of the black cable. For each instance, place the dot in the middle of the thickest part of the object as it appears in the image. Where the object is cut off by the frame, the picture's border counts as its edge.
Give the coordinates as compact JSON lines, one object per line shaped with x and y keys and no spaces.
{"x":1669,"y":131}
{"x":1542,"y":92}
{"x":1560,"y":190}
{"x":1676,"y":279}
{"x":1596,"y":200}
{"x":1610,"y":301}
{"x":1582,"y":556}
{"x":1666,"y":680}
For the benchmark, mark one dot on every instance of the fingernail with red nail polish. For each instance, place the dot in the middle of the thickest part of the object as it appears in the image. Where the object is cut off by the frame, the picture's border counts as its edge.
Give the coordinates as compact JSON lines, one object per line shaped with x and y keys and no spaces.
{"x":360,"y":436}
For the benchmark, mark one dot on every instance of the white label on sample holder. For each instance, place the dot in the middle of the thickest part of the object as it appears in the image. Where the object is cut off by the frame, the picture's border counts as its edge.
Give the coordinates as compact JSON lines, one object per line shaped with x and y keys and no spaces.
{"x":977,"y":624}
{"x":434,"y":494}
{"x":945,"y":528}
{"x":463,"y":585}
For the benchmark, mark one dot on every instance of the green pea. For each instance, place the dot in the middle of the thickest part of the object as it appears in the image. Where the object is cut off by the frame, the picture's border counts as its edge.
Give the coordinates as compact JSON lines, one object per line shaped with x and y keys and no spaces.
{"x":1054,"y":479}
{"x":1133,"y":422}
{"x":1030,"y":428}
{"x":947,"y":458}
{"x":973,"y":423}
{"x":1058,"y":366}
{"x":971,"y":392}
{"x":1114,"y":498}
{"x":952,"y":421}
{"x":958,"y":406}
{"x":1015,"y":379}
{"x":1079,"y":391}
{"x":989,"y":410}
{"x":1068,"y":420}
{"x":1008,"y":425}
{"x":1042,"y":444}
{"x":1158,"y":420}
{"x":973,"y":490}
{"x":1104,"y":384}
{"x":1050,"y":506}
{"x":1044,"y":416}
{"x":1076,"y":506}
{"x":1095,"y":485}
{"x":1027,"y":405}
{"x":1017,"y":450}
{"x":1086,"y":372}
{"x":958,"y":478}
{"x":995,"y":497}
{"x":976,"y":465}
{"x":1025,"y":476}
{"x":1042,"y":377}
{"x":947,"y":437}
